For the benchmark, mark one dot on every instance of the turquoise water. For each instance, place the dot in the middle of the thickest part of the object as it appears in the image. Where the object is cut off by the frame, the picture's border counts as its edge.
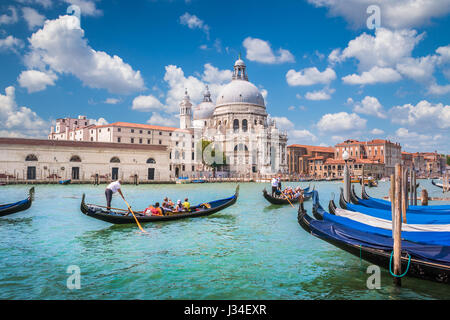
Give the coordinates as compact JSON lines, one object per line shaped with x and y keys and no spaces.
{"x":252,"y":250}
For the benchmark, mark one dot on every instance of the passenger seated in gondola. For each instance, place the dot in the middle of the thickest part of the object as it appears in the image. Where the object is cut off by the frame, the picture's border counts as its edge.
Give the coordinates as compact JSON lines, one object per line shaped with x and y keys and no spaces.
{"x":167,"y":204}
{"x":148,"y":211}
{"x":179,"y":207}
{"x":157,"y":211}
{"x":186,"y":205}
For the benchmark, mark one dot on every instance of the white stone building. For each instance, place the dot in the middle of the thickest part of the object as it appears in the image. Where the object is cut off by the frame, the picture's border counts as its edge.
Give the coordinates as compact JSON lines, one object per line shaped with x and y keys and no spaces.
{"x":237,"y":125}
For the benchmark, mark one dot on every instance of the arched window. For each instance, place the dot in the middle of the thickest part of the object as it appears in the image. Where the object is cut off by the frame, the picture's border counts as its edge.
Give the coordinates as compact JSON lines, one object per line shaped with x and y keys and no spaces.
{"x":114,"y":160}
{"x":240,"y":147}
{"x":244,"y":125}
{"x":236,"y":125}
{"x":75,"y":159}
{"x":151,"y":160}
{"x":31,"y":157}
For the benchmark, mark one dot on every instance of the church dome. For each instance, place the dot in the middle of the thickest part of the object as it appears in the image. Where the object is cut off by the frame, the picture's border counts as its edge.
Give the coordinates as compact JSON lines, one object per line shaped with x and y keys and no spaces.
{"x":240,"y":91}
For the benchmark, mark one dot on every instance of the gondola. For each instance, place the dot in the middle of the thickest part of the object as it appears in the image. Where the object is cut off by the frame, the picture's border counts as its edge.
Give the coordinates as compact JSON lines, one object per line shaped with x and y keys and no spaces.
{"x":415,"y":218}
{"x":198,"y":181}
{"x":7,"y":209}
{"x":439,"y":185}
{"x":425,"y":261}
{"x":201,"y":210}
{"x":280,"y":201}
{"x":427,"y":235}
{"x":386,"y":205}
{"x":65,"y":181}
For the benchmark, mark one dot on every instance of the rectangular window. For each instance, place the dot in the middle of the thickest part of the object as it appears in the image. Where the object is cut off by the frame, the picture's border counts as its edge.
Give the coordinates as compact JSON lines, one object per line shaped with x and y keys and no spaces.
{"x":160,"y":133}
{"x":148,"y":141}
{"x":140,"y":131}
{"x":118,"y":139}
{"x":160,"y":142}
{"x":140,"y":140}
{"x":132,"y":140}
{"x":132,"y":130}
{"x":149,"y":132}
{"x":119,"y":129}
{"x":193,"y":157}
{"x":193,"y":168}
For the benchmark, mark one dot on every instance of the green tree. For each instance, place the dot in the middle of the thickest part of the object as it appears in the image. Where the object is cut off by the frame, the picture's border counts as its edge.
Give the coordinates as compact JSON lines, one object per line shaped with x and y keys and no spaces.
{"x":202,"y":148}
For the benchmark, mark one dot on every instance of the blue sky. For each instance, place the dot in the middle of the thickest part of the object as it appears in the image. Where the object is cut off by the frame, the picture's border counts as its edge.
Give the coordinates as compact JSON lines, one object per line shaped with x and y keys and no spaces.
{"x":325,"y":74}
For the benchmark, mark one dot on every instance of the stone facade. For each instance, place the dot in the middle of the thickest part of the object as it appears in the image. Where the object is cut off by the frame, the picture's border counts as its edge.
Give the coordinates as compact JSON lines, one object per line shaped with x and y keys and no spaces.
{"x":33,"y":160}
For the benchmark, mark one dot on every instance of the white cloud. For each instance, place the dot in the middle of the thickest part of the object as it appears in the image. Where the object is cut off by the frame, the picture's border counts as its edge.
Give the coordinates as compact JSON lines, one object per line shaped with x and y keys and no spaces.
{"x":283,"y":123}
{"x":112,"y":101}
{"x":324,"y":94}
{"x":146,"y":103}
{"x":35,"y":80}
{"x":212,"y":74}
{"x":370,"y":106}
{"x":178,"y":83}
{"x":60,"y":45}
{"x":260,"y":51}
{"x":87,"y":7}
{"x":385,"y":49}
{"x":394,"y":14}
{"x":339,"y":122}
{"x":19,"y":121}
{"x":11,"y":43}
{"x":424,"y":115}
{"x":9,"y":19}
{"x":419,"y":69}
{"x":374,"y":75}
{"x":158,"y":119}
{"x":194,"y":22}
{"x":32,"y":17}
{"x":98,"y":122}
{"x":437,"y":89}
{"x":44,"y":3}
{"x":310,"y":76}
{"x":377,"y":131}
{"x":301,"y":136}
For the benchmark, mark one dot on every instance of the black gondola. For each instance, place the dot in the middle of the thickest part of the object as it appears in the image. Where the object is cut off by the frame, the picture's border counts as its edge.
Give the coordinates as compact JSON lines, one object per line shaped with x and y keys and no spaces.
{"x":280,"y":201}
{"x":7,"y":209}
{"x":378,"y":250}
{"x":439,"y":185}
{"x":119,"y":218}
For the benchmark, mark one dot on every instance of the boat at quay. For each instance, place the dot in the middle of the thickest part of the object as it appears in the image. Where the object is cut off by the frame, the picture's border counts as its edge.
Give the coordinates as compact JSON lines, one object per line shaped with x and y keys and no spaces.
{"x":231,"y":244}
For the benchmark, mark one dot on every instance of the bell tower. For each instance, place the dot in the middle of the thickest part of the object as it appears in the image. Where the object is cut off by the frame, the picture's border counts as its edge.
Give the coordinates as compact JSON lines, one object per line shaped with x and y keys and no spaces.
{"x":185,"y":112}
{"x":239,"y":70}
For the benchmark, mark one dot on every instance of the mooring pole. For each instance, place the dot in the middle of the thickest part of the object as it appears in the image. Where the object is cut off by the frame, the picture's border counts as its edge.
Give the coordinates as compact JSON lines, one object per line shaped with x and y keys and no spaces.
{"x":424,"y":197}
{"x":398,"y":224}
{"x":411,"y":197}
{"x":404,"y":187}
{"x":415,"y":188}
{"x":392,"y":196}
{"x":346,"y":183}
{"x":362,"y":182}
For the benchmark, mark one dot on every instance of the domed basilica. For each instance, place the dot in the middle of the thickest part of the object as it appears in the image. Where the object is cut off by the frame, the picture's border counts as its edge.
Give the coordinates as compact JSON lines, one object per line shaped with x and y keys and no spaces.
{"x":238,"y":125}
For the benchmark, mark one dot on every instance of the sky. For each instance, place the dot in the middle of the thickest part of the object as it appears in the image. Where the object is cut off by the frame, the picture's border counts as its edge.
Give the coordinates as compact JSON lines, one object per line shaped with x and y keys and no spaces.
{"x":329,"y":70}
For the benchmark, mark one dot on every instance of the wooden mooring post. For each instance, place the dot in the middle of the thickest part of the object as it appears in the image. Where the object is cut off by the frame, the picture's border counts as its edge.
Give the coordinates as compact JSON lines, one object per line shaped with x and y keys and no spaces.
{"x":404,"y":193}
{"x":415,"y":187}
{"x":397,"y":232}
{"x":363,"y":186}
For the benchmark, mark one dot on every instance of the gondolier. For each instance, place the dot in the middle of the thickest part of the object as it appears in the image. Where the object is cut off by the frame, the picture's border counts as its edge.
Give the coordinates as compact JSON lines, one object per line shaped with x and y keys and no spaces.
{"x":274,"y":185}
{"x":112,"y":188}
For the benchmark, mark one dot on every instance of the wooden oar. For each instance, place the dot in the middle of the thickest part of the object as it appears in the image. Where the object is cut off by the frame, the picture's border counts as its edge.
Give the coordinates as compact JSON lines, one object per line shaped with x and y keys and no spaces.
{"x":137,"y":222}
{"x":287,"y":199}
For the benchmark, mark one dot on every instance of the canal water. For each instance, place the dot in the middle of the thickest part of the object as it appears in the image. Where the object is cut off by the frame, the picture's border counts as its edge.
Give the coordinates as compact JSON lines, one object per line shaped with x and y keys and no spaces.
{"x":252,"y":250}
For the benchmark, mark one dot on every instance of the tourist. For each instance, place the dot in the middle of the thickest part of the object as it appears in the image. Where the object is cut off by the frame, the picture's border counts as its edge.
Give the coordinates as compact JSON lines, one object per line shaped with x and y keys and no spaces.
{"x":112,"y":188}
{"x":186,"y":204}
{"x":179,"y":206}
{"x":156,"y":211}
{"x":148,"y":210}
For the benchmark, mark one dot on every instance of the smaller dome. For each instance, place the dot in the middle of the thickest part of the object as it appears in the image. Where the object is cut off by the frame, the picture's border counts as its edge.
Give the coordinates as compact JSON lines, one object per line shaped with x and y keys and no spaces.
{"x":204,"y":110}
{"x":239,"y":62}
